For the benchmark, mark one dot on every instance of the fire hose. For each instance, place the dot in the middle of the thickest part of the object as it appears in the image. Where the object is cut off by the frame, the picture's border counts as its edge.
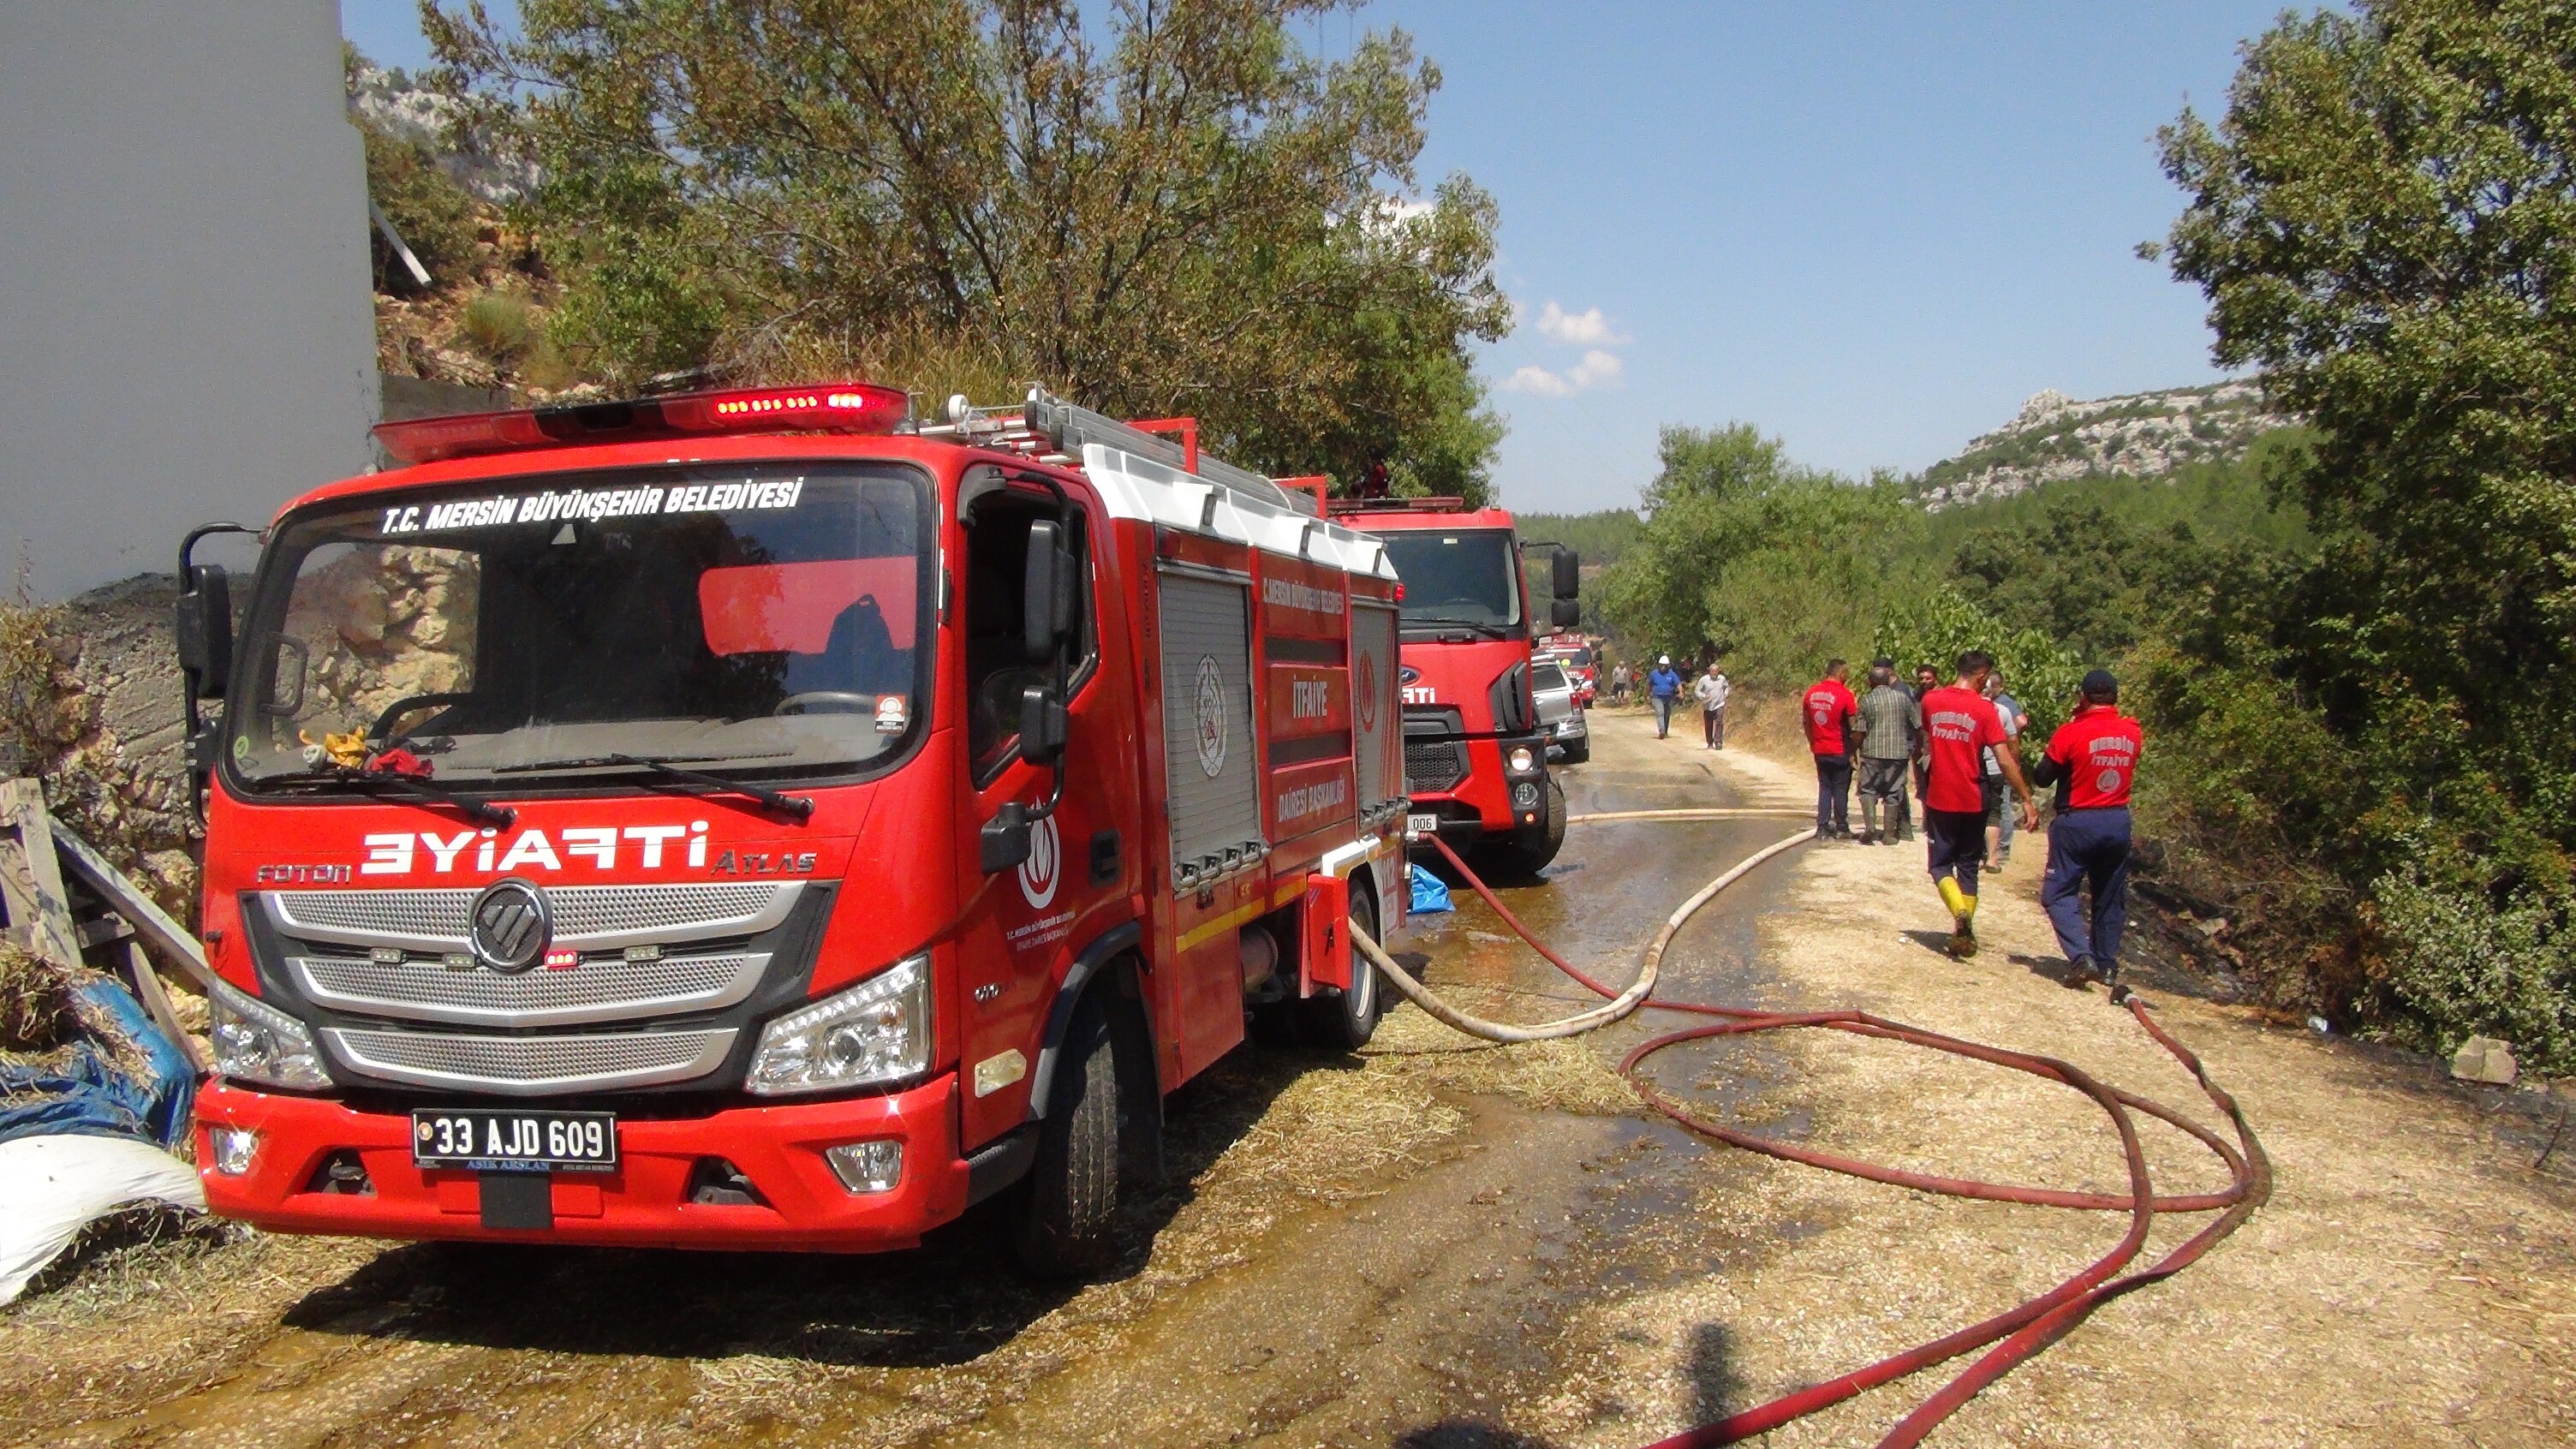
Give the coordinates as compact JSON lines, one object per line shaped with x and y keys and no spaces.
{"x":2015,"y":1336}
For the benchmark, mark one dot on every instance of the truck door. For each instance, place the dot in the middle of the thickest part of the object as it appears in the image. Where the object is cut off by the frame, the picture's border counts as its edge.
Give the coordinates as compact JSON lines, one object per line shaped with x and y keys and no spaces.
{"x":1022,"y":927}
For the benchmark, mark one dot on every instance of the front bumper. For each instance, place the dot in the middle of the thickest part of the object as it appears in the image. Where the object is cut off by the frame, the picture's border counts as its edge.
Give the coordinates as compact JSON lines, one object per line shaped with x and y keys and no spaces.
{"x":643,"y":1203}
{"x":1481,"y":804}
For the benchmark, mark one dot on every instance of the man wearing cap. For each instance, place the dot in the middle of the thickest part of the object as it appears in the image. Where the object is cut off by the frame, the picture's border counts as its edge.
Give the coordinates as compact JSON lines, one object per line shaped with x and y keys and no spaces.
{"x":1959,"y":723}
{"x":2092,"y":760}
{"x":1666,"y":686}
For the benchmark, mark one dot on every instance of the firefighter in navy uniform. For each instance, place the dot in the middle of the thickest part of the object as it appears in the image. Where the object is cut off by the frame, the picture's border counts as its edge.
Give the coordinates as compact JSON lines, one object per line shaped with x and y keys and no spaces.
{"x":2092,"y":760}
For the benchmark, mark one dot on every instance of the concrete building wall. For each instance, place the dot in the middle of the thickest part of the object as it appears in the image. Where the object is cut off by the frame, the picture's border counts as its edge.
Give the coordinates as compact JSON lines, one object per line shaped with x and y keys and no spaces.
{"x":186,"y":330}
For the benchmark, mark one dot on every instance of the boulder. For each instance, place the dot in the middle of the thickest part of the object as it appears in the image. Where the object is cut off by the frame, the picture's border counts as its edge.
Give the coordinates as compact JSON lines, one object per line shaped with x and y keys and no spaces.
{"x":2484,"y":1059}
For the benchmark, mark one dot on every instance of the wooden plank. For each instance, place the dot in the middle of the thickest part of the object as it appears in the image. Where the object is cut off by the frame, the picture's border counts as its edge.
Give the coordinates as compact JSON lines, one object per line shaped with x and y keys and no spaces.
{"x":31,"y":879}
{"x":105,"y":928}
{"x":176,"y":944}
{"x":146,"y":981}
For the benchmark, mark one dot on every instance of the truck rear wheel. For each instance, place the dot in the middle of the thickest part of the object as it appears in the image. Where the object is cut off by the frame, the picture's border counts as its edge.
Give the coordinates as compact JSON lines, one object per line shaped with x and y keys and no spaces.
{"x":1578,"y":749}
{"x":1526,"y":851}
{"x":1072,"y":1188}
{"x":1344,"y":1020}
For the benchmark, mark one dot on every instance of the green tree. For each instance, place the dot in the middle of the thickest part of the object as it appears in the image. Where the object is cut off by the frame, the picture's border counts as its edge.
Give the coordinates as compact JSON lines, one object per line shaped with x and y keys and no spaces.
{"x":2385,"y":223}
{"x":1773,"y":565}
{"x":1170,"y":209}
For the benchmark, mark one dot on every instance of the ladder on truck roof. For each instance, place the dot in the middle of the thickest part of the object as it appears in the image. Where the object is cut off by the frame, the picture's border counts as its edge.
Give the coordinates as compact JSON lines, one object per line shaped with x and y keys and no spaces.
{"x":1052,"y":430}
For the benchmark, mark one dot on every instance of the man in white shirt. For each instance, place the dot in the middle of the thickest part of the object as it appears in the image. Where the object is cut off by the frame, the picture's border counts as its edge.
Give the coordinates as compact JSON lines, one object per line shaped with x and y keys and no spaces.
{"x":1711,"y":691}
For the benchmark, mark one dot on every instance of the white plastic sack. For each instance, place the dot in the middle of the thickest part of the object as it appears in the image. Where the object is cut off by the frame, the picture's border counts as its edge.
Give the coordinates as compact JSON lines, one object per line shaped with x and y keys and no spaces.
{"x":52,"y":1187}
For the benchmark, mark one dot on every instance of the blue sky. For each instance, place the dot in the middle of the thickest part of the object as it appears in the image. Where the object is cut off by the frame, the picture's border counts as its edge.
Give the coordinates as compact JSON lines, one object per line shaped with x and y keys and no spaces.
{"x":1871,"y":230}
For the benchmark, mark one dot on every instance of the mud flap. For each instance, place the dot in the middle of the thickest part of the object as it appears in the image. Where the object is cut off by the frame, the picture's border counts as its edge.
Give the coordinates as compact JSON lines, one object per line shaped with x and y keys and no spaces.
{"x":519,"y":1201}
{"x":1325,"y":959}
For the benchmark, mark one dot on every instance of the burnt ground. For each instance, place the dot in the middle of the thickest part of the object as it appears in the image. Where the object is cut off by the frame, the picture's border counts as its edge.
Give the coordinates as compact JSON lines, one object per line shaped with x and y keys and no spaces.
{"x":1443,"y":1243}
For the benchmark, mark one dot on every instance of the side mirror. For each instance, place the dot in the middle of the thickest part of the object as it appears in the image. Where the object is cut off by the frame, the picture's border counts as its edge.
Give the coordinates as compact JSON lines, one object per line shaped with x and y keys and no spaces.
{"x":1042,"y":725}
{"x":1568,"y":579}
{"x":204,"y":626}
{"x":1004,"y":842}
{"x":1047,"y":593}
{"x":1565,"y":613}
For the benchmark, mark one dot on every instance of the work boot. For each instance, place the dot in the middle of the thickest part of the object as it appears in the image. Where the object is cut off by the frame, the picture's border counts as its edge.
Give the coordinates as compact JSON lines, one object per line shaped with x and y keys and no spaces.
{"x":2081,"y":970}
{"x":1963,"y":939}
{"x":2110,"y":974}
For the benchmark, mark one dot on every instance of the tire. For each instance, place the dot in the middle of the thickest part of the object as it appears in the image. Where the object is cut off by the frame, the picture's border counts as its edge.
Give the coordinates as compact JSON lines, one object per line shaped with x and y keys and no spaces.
{"x":1073,"y":1186}
{"x":1343,"y":1021}
{"x":1522,"y":854}
{"x":1579,"y":750}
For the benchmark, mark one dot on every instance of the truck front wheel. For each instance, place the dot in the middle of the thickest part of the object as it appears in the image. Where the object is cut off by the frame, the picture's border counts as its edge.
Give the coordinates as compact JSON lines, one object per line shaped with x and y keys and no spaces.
{"x":1073,"y":1186}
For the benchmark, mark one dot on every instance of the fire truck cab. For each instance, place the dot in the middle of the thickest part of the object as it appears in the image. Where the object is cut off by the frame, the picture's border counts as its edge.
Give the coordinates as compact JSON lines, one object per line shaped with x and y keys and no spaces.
{"x":762,"y":819}
{"x":1475,"y":750}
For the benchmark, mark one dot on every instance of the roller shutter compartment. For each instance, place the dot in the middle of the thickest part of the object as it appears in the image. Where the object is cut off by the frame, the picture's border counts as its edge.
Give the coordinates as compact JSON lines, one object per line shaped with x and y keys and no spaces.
{"x":1210,"y":755}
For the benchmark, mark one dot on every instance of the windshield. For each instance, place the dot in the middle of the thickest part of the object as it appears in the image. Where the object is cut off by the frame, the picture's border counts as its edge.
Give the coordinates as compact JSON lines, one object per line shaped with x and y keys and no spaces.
{"x":761,"y":620}
{"x":1467,"y":577}
{"x":1547,"y":676}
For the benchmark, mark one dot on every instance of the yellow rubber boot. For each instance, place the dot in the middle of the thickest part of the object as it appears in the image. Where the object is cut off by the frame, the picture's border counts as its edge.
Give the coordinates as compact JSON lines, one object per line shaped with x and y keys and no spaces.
{"x":1963,"y":910}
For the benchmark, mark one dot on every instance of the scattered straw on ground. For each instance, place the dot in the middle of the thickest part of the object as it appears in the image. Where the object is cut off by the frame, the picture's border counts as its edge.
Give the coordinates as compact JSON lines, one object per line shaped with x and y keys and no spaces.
{"x":2412,"y":1282}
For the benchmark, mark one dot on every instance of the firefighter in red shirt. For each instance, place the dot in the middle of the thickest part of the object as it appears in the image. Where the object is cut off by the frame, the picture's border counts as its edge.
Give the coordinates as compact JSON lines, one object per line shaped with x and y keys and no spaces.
{"x":1826,"y":710}
{"x":1959,"y":722}
{"x":2092,"y":760}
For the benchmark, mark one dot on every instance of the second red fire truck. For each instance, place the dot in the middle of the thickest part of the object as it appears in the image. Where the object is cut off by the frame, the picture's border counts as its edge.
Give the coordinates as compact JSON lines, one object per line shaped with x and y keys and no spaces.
{"x":1475,"y":751}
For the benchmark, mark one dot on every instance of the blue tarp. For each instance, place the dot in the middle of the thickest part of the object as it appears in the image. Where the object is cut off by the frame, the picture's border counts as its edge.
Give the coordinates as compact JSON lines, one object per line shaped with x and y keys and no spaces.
{"x":87,"y":1093}
{"x":1429,"y":896}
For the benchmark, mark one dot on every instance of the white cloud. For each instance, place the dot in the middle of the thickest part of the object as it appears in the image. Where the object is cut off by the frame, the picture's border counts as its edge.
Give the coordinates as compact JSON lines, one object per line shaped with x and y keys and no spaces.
{"x":1538,"y":380}
{"x":1587,"y":328}
{"x":1598,"y":369}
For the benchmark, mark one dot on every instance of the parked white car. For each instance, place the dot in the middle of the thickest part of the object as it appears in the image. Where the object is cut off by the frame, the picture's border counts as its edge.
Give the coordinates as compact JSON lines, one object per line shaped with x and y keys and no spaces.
{"x":1568,"y":739}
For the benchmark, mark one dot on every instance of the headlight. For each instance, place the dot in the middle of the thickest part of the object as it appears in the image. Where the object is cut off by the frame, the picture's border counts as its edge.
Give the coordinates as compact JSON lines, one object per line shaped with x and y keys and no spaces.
{"x":256,"y":1042}
{"x":877,"y":1031}
{"x":1521,"y":761}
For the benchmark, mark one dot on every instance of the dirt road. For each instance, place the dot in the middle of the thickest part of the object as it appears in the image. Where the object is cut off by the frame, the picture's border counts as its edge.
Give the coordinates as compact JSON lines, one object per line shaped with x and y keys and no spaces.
{"x":1440,"y":1243}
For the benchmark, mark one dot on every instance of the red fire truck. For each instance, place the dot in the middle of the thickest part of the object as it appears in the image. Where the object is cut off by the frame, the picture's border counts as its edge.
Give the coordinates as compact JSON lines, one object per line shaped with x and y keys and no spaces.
{"x":1475,"y":753}
{"x":759,"y":819}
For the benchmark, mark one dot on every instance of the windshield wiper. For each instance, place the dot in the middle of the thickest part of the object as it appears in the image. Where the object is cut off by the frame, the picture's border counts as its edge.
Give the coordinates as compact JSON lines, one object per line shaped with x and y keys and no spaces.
{"x":798,"y":806}
{"x":1432,"y":624}
{"x":475,"y":809}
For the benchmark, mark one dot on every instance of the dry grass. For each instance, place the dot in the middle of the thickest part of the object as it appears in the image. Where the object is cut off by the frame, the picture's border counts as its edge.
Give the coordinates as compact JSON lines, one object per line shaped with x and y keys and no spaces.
{"x":1563,"y":1076}
{"x":2409,"y":1283}
{"x":1333,"y":1135}
{"x":36,"y":1010}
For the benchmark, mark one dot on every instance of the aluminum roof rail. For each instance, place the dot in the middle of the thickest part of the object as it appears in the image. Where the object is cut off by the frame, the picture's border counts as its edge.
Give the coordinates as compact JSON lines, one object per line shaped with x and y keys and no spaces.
{"x":1069,"y":426}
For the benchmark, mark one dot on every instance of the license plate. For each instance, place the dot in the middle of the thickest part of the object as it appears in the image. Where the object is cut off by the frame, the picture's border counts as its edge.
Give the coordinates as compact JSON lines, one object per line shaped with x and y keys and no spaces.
{"x":504,"y":1140}
{"x":1422,"y":824}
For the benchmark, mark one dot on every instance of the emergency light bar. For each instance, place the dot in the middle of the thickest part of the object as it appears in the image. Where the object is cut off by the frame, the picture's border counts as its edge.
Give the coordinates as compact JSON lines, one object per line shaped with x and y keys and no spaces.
{"x":831,"y":407}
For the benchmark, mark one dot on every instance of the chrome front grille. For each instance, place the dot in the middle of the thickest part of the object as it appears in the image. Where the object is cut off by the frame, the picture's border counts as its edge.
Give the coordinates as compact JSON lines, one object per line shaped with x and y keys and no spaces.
{"x":611,"y":990}
{"x":530,"y":1066}
{"x":586,"y":917}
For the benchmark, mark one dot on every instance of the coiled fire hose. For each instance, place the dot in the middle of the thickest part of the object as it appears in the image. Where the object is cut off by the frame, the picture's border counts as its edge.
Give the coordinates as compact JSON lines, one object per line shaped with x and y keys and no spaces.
{"x":2016,"y":1336}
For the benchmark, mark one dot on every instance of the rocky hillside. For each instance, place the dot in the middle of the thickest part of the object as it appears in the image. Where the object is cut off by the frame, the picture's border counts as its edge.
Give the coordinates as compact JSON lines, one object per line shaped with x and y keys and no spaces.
{"x":2140,"y":435}
{"x":395,"y":103}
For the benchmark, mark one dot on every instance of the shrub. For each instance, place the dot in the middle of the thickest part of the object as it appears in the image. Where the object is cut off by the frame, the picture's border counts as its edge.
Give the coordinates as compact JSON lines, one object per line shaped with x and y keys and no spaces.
{"x":434,"y":215}
{"x":2462,"y":965}
{"x":498,"y":327}
{"x":1938,"y":625}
